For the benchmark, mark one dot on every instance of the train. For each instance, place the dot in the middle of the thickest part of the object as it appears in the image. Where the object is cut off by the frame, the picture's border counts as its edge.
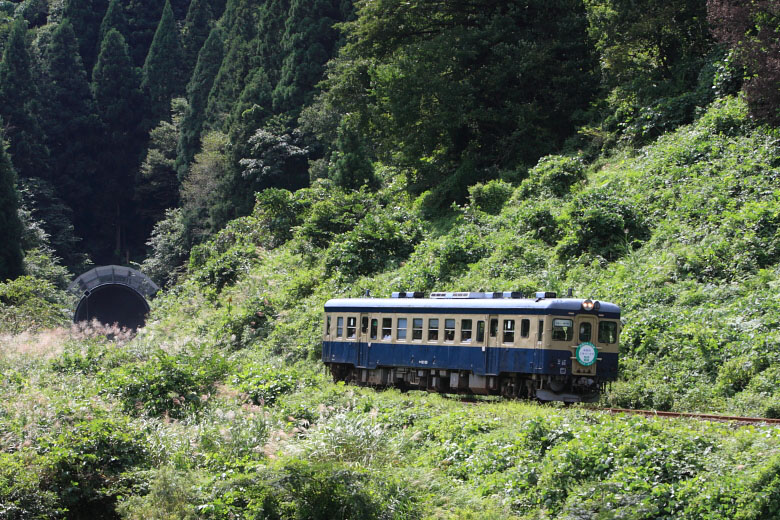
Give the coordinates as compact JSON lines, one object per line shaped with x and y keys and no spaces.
{"x":487,"y":343}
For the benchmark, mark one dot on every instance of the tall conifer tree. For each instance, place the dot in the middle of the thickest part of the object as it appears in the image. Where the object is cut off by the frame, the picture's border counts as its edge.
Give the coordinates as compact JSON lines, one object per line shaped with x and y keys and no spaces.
{"x":162,"y":75}
{"x":238,"y":62}
{"x":85,"y":15}
{"x":20,"y":108}
{"x":114,"y":19}
{"x":308,"y":43}
{"x":11,"y":259}
{"x":209,"y":61}
{"x":197,"y":27}
{"x":72,"y":123}
{"x":115,"y":84}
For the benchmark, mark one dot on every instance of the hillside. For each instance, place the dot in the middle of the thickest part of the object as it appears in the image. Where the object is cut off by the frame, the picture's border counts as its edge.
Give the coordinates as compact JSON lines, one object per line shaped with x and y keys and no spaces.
{"x":219,"y":408}
{"x":257,"y":158}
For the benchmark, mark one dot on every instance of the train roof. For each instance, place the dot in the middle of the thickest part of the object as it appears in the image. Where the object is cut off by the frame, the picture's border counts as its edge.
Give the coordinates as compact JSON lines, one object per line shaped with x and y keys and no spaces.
{"x":471,"y":305}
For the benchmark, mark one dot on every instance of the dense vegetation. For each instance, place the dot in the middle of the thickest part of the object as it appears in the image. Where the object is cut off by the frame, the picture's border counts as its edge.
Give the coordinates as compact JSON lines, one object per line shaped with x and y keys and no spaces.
{"x":259,"y":158}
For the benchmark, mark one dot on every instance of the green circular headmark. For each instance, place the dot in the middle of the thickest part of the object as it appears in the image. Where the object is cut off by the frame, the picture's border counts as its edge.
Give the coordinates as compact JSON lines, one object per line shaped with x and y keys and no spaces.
{"x":586,"y":353}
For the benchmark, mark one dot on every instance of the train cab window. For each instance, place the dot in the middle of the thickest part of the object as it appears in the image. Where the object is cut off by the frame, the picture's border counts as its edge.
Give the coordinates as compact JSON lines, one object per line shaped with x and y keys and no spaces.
{"x":387,"y":328}
{"x":433,"y":329}
{"x":327,"y":326}
{"x":509,"y":331}
{"x":352,"y":326}
{"x":449,"y":329}
{"x":525,"y":328}
{"x":374,"y":325}
{"x":540,"y":331}
{"x":585,"y":331}
{"x":563,"y":330}
{"x":480,"y":331}
{"x":465,"y":331}
{"x":493,"y":327}
{"x":364,"y":324}
{"x":401,"y":329}
{"x":607,"y":332}
{"x":417,"y":328}
{"x":340,"y":327}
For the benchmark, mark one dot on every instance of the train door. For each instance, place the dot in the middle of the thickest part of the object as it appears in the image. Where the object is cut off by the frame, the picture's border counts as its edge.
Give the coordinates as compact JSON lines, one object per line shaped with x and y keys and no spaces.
{"x":538,"y":351}
{"x":363,"y":340}
{"x":586,"y":353}
{"x":493,"y":341}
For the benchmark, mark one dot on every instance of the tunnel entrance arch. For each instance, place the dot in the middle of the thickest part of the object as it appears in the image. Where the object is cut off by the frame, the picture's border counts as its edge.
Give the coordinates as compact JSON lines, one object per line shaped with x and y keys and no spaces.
{"x":113,"y":294}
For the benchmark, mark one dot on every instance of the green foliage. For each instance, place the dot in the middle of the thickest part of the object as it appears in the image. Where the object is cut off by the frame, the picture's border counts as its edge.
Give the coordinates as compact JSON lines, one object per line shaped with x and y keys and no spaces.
{"x":277,"y":212}
{"x":553,"y":176}
{"x":198,"y":88}
{"x":379,"y":240}
{"x":490,"y":197}
{"x":84,"y":466}
{"x":602,"y":225}
{"x":28,"y":303}
{"x":429,"y":85}
{"x":162,"y":72}
{"x":264,"y":383}
{"x":334,"y":213}
{"x":11,"y":264}
{"x":174,"y":386}
{"x":20,"y":106}
{"x":21,"y":493}
{"x":169,"y":248}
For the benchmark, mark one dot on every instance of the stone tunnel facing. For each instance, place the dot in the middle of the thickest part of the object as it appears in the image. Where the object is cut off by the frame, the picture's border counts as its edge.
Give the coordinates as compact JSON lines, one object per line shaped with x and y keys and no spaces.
{"x":113,"y":303}
{"x":113,"y":294}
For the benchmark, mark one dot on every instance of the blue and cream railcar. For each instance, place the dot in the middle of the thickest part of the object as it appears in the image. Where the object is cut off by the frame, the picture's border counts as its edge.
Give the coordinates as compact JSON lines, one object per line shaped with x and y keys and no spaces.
{"x":548,"y":348}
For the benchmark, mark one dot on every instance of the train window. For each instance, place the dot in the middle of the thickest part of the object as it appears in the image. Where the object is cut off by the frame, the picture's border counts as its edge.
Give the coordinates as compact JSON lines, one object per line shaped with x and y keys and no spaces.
{"x":433,"y":329}
{"x":607,"y":332}
{"x":374,"y":325}
{"x":327,"y":326}
{"x":480,"y":331}
{"x":465,"y":331}
{"x":563,"y":330}
{"x":540,"y":331}
{"x":509,"y":331}
{"x":364,"y":324}
{"x":352,"y":326}
{"x":449,"y":329}
{"x":387,"y":328}
{"x":525,"y":328}
{"x":417,"y":328}
{"x":585,"y":330}
{"x":340,"y":327}
{"x":493,"y":327}
{"x":401,"y":329}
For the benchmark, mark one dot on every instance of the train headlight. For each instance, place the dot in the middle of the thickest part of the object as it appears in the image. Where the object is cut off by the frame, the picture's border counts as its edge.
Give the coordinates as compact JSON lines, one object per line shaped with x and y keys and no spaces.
{"x":587,"y":305}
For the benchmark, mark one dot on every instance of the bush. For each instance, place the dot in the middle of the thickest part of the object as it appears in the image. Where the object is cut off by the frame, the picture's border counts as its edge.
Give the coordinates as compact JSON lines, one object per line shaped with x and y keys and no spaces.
{"x":553,"y":175}
{"x":600,"y":224}
{"x":277,"y":212}
{"x":30,"y":304}
{"x":165,"y":384}
{"x":264,"y":384}
{"x":379,"y":240}
{"x":490,"y":197}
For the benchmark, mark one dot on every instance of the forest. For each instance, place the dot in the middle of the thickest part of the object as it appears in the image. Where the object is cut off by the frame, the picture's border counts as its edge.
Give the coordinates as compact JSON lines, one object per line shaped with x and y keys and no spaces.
{"x":257,"y":157}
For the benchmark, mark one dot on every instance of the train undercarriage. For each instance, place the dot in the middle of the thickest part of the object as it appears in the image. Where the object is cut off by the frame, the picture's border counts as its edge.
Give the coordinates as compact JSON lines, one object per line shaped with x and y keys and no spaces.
{"x":543,"y":387}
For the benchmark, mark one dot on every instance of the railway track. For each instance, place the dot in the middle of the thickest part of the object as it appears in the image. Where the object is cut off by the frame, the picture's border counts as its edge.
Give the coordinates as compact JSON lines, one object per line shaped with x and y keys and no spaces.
{"x":650,"y":413}
{"x":701,"y":416}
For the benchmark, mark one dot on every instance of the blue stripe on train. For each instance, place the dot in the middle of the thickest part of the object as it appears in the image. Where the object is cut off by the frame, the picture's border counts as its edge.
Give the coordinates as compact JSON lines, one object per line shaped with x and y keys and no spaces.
{"x":490,"y":361}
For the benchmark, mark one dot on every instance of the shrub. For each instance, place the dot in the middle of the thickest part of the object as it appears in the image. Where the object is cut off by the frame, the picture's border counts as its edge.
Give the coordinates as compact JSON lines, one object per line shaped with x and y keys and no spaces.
{"x":264,"y":384}
{"x":22,"y":492}
{"x":553,"y":175}
{"x":490,"y":197}
{"x":277,"y":212}
{"x":601,"y":224}
{"x":166,"y":384}
{"x":379,"y":240}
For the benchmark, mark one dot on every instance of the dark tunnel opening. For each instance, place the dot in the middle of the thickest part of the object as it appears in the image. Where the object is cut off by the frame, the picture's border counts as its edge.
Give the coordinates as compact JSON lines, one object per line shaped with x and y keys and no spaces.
{"x":113,"y":303}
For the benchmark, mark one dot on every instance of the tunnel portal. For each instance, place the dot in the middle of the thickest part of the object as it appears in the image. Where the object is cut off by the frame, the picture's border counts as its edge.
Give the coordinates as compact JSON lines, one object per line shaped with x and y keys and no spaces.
{"x":113,"y":294}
